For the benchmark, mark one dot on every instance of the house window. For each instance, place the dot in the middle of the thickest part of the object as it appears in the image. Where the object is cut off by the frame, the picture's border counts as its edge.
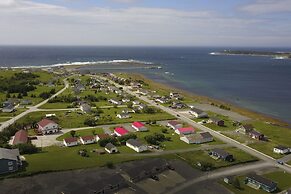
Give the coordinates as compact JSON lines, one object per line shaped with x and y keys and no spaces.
{"x":10,"y":168}
{"x":10,"y":163}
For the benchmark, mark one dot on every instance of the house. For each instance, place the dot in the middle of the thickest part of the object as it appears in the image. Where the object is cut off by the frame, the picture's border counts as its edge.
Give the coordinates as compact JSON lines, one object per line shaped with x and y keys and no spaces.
{"x":141,"y":106}
{"x":217,"y":121}
{"x":138,"y":126}
{"x":128,"y":111}
{"x":245,"y":129}
{"x":115,"y":101}
{"x":162,"y":100}
{"x":20,"y":137}
{"x":125,"y":100}
{"x":197,"y":138}
{"x":256,"y":135}
{"x":142,"y":92}
{"x":174,"y":124}
{"x":47,"y":126}
{"x":259,"y":182}
{"x":110,"y":148}
{"x":50,"y":115}
{"x":185,"y":130}
{"x":221,"y":154}
{"x":71,"y":141}
{"x":123,"y":116}
{"x":102,"y":136}
{"x":86,"y":108}
{"x":80,"y":87}
{"x":135,"y":102}
{"x":178,"y":105}
{"x":120,"y":131}
{"x":197,"y":113}
{"x":140,"y":170}
{"x":87,"y":139}
{"x":281,"y":149}
{"x":8,"y":109}
{"x":136,"y":145}
{"x":9,"y":160}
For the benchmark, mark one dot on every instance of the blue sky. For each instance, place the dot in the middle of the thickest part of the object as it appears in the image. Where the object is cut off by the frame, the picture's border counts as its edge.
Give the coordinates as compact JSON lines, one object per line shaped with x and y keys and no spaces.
{"x":261,"y":23}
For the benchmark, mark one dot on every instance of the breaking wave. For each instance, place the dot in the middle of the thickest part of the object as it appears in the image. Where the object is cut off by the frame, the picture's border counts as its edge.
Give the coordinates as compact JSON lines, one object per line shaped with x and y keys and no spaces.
{"x":119,"y":61}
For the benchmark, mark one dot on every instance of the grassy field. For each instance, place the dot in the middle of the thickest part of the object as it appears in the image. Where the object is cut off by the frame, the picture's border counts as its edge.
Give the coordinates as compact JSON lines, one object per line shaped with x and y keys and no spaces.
{"x":76,"y":120}
{"x":80,"y":133}
{"x":193,"y":158}
{"x":281,"y":178}
{"x":63,"y":158}
{"x":3,"y":119}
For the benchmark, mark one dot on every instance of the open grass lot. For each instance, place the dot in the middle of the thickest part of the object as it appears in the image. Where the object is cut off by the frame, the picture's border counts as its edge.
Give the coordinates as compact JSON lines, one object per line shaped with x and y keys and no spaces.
{"x":276,"y":135}
{"x":281,"y":178}
{"x":3,"y":119}
{"x":58,"y":105}
{"x":80,"y":133}
{"x":62,"y":158}
{"x":76,"y":119}
{"x":228,"y":123}
{"x":202,"y":156}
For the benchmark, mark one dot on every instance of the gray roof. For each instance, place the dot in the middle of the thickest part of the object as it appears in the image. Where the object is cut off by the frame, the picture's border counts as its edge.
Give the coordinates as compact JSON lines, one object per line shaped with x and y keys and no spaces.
{"x":109,"y":146}
{"x":262,"y":180}
{"x":248,"y":127}
{"x":10,"y":154}
{"x":198,"y":111}
{"x":134,"y":142}
{"x":215,"y":119}
{"x":206,"y":135}
{"x":221,"y":152}
{"x":281,"y":147}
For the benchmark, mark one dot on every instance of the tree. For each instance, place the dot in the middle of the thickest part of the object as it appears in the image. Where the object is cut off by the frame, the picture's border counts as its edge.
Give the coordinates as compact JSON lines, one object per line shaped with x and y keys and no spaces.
{"x":164,"y":130}
{"x":93,"y":132}
{"x":105,"y":141}
{"x":27,"y":148}
{"x":109,"y":165}
{"x":124,"y":138}
{"x":73,"y":133}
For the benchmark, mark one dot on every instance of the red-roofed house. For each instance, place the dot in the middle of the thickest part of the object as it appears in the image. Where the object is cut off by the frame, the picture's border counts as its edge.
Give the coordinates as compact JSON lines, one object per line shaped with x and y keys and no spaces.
{"x":185,"y":131}
{"x":120,"y":131}
{"x":87,"y":139}
{"x":20,"y":137}
{"x":71,"y":141}
{"x":138,"y":126}
{"x":174,"y":125}
{"x":47,"y":126}
{"x":102,"y":136}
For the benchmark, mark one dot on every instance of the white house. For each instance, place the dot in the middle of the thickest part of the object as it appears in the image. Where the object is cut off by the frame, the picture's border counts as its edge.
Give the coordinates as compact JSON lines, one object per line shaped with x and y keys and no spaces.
{"x":50,"y":115}
{"x":138,"y":126}
{"x":71,"y":141}
{"x":136,"y":145}
{"x":123,"y":116}
{"x":142,"y":92}
{"x":85,"y":108}
{"x":46,"y":126}
{"x":114,"y":101}
{"x":110,"y":148}
{"x":198,"y":113}
{"x":174,"y":125}
{"x":281,"y":150}
{"x":87,"y":139}
{"x":135,"y":102}
{"x":125,"y":100}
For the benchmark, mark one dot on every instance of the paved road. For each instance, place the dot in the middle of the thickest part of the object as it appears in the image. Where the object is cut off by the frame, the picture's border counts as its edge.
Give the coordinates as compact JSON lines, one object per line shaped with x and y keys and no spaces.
{"x":216,"y":134}
{"x":32,"y":109}
{"x":238,"y":169}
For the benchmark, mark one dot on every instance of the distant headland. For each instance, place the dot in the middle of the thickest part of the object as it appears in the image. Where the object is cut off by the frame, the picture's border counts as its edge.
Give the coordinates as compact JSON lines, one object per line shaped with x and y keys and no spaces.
{"x":274,"y":55}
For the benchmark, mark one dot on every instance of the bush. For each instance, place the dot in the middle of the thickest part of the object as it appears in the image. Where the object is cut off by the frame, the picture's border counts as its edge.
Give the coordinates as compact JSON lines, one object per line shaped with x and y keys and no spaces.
{"x":103,"y":142}
{"x":110,"y":165}
{"x":27,"y":148}
{"x":90,"y":122}
{"x":124,"y":138}
{"x":156,"y":138}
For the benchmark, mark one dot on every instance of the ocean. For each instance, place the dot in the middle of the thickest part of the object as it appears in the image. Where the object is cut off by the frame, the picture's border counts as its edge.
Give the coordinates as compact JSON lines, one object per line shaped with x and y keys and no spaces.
{"x":261,"y":84}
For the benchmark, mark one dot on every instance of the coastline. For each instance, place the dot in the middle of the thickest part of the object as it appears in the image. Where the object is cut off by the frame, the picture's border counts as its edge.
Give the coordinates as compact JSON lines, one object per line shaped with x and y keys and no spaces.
{"x":208,"y":100}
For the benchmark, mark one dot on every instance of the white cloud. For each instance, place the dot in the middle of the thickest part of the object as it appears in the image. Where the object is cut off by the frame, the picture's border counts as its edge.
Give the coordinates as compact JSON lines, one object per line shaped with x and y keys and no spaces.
{"x":27,"y":22}
{"x":268,"y":6}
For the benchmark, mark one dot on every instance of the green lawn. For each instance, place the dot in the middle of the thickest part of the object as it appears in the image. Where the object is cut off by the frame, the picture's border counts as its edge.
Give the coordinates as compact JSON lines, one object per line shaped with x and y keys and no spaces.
{"x":3,"y":119}
{"x":202,"y":156}
{"x":266,"y":148}
{"x":281,"y":178}
{"x":80,"y":133}
{"x":62,"y":158}
{"x":59,"y":105}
